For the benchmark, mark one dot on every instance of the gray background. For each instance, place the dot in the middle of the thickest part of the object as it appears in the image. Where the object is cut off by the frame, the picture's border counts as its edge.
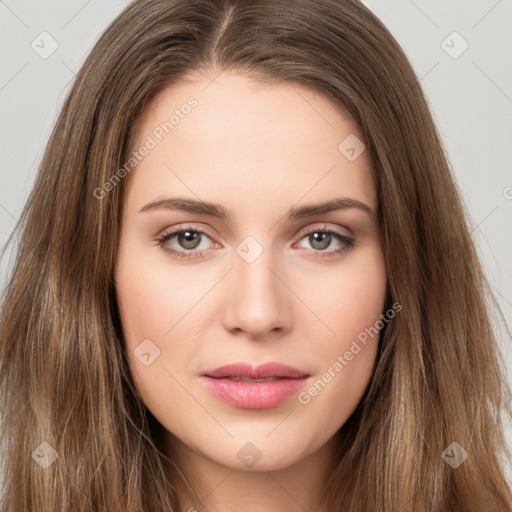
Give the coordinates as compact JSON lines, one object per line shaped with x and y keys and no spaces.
{"x":470,"y":96}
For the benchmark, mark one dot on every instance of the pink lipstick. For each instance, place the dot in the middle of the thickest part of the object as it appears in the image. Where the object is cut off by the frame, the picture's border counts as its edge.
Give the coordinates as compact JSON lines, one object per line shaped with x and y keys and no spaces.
{"x":262,"y":387}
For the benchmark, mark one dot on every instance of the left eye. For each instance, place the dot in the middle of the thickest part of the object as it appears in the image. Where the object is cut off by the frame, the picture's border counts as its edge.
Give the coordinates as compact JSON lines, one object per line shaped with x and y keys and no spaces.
{"x":189,"y":239}
{"x":320,"y":239}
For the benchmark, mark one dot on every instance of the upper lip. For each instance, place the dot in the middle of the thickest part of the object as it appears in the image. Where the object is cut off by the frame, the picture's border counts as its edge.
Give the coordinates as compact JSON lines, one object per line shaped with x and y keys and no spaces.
{"x":263,"y":371}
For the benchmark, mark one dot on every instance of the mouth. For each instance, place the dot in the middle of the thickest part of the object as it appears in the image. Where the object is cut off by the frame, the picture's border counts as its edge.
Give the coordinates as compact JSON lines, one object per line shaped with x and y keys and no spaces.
{"x":244,"y":386}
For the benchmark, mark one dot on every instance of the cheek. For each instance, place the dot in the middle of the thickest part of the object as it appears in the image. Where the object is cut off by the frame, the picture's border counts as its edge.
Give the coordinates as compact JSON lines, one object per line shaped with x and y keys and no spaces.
{"x":144,"y":305}
{"x":149,"y":308}
{"x":350,"y":298}
{"x":349,"y":303}
{"x":145,"y":310}
{"x":156,"y":302}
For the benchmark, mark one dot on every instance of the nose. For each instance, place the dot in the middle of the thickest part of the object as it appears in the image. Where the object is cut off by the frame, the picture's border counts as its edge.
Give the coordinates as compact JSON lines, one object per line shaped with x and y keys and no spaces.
{"x":258,"y":301}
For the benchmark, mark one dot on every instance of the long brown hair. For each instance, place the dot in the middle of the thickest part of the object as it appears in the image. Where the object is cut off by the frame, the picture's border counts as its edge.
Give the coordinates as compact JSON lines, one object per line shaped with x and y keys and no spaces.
{"x":64,"y":378}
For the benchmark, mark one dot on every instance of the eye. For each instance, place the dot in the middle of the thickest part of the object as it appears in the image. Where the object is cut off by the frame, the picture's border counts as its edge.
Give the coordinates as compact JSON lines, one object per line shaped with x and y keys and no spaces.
{"x":321,"y":238}
{"x":189,"y":239}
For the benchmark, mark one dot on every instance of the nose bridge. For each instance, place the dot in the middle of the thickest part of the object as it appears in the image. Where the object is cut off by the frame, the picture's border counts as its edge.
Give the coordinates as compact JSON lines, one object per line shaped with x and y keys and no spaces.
{"x":257,"y":301}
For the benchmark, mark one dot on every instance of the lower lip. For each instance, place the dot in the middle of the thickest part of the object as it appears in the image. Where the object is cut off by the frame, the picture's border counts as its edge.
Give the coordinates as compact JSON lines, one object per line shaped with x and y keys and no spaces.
{"x":254,"y":395}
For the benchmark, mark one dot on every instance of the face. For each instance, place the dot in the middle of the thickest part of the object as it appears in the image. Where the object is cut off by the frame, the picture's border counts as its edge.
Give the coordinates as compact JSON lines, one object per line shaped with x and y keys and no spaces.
{"x":280,"y":291}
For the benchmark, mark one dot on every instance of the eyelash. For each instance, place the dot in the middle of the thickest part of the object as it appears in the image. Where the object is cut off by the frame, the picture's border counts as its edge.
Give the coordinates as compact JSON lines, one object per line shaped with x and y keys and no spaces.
{"x":348,"y":243}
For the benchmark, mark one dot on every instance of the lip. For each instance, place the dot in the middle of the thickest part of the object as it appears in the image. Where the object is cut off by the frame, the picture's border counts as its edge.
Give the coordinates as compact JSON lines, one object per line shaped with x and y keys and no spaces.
{"x":262,"y":371}
{"x":254,"y":395}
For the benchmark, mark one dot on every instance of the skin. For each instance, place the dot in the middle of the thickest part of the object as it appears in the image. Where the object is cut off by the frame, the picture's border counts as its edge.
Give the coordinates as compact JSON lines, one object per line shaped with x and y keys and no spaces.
{"x":258,"y":150}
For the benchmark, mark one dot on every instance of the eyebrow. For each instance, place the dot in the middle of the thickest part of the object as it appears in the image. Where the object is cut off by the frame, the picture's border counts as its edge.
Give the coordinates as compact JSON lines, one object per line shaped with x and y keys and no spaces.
{"x":218,"y":211}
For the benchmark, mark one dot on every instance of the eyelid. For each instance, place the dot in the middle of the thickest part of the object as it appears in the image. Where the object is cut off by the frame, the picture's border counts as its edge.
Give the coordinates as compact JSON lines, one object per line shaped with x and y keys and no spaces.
{"x":326,"y":227}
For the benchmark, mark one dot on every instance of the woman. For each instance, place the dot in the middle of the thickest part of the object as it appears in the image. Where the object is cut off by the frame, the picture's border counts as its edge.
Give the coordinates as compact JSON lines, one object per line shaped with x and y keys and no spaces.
{"x":245,"y":280}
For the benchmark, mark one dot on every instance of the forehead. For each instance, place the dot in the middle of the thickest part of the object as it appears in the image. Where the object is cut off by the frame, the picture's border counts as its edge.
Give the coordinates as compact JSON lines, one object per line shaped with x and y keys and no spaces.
{"x":232,"y":102}
{"x":244,"y":137}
